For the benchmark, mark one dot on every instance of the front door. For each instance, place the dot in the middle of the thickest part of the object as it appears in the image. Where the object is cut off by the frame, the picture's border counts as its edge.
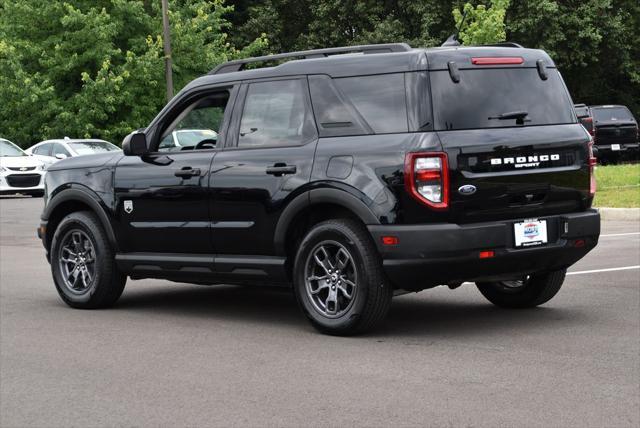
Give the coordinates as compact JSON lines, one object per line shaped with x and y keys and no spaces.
{"x":268,"y":158}
{"x":163,"y":199}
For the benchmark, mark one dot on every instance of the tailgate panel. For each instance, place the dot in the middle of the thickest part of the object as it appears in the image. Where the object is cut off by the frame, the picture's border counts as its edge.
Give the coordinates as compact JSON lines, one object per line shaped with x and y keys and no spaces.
{"x":518,"y":172}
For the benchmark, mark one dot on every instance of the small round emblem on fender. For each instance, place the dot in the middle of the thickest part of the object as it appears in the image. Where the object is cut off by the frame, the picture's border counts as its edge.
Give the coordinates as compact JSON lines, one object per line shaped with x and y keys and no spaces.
{"x":467,"y":189}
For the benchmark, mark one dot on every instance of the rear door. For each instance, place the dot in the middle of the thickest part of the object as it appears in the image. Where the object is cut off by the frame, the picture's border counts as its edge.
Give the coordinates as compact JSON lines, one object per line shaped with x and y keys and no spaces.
{"x":268,"y":159}
{"x":514,"y":146}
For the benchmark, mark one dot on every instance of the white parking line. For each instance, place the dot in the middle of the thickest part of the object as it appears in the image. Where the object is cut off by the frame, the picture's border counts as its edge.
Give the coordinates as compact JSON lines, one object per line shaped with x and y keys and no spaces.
{"x":620,"y":234}
{"x":582,"y":272}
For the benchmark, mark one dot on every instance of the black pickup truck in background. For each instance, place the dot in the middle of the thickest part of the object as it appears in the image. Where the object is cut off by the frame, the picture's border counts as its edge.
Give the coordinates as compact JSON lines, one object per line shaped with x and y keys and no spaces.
{"x":615,"y":132}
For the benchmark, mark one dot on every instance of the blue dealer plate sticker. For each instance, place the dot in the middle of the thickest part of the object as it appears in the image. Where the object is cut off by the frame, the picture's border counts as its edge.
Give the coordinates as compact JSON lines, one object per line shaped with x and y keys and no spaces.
{"x":530,"y":233}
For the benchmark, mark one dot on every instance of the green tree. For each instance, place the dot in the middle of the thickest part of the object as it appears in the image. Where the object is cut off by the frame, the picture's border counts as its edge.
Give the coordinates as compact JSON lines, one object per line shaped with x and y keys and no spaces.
{"x":595,"y":44}
{"x":481,"y":25}
{"x":304,"y":24}
{"x":94,"y":68}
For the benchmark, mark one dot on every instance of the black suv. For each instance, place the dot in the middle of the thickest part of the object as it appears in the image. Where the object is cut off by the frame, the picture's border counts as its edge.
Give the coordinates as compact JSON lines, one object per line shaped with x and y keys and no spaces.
{"x":350,"y":174}
{"x":615,"y":131}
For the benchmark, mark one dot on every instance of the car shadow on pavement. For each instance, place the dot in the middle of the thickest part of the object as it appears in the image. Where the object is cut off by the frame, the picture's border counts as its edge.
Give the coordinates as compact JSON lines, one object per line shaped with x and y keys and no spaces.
{"x":408,"y":316}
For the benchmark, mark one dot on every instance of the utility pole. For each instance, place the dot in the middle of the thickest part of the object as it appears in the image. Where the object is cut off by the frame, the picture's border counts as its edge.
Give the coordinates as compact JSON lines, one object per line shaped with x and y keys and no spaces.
{"x":166,"y":39}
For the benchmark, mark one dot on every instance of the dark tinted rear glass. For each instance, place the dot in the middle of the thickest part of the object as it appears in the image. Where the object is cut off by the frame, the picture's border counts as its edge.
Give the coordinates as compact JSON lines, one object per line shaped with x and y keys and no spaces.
{"x":582,"y":111}
{"x":482,"y":94}
{"x":379,"y":99}
{"x":611,"y":114}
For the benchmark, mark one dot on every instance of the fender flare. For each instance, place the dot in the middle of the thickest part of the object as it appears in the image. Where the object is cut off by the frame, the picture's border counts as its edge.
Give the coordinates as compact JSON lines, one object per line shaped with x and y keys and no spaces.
{"x":320,"y":196}
{"x":86,"y":197}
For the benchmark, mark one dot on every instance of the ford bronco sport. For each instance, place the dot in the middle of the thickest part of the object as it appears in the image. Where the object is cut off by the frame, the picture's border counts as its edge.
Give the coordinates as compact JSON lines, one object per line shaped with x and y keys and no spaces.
{"x":348,"y":174}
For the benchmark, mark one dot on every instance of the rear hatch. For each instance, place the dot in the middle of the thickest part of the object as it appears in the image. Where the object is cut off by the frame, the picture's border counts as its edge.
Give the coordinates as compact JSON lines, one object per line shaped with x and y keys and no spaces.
{"x":614,"y":125}
{"x":514,"y":146}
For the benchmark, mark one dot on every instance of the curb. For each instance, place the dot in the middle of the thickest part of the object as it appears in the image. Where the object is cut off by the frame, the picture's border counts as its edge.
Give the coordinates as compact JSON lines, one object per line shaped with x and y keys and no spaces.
{"x":619,"y":214}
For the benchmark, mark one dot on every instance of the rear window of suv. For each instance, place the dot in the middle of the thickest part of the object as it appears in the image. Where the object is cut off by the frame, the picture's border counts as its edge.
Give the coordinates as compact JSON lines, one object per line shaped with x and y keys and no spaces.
{"x":483,"y":95}
{"x":607,"y":114}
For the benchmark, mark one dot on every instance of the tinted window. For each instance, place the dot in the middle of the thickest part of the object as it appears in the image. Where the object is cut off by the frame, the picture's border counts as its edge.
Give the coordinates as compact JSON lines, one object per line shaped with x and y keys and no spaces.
{"x":275,"y":114}
{"x":58,"y":149}
{"x":43,"y":150}
{"x":379,"y":99}
{"x":612,"y":114}
{"x":582,"y":111}
{"x":197,"y":126}
{"x":334,"y":115}
{"x":484,"y":94}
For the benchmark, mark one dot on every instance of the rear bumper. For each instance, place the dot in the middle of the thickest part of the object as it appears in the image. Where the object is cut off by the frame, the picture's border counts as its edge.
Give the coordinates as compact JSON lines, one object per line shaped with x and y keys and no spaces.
{"x":606,"y":148}
{"x":428,"y":255}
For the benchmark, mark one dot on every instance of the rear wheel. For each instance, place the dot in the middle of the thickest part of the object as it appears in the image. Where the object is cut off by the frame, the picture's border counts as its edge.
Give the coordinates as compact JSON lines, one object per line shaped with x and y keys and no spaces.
{"x":533,"y":290}
{"x":338,"y":279}
{"x":82,"y":263}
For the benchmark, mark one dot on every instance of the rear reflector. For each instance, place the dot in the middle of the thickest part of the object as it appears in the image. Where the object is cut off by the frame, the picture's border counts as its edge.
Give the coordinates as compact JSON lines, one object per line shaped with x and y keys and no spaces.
{"x":486,"y":254}
{"x":390,"y":240}
{"x":497,"y":60}
{"x":579,"y":243}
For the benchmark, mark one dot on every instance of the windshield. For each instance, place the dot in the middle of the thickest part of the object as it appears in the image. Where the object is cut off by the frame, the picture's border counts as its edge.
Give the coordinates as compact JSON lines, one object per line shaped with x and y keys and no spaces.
{"x":8,"y":149}
{"x":612,"y":114}
{"x":499,"y":97}
{"x":90,"y":147}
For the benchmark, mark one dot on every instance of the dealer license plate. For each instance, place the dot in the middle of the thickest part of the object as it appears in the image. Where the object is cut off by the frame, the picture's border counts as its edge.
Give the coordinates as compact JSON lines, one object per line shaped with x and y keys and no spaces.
{"x":615,"y":147}
{"x":530,"y":233}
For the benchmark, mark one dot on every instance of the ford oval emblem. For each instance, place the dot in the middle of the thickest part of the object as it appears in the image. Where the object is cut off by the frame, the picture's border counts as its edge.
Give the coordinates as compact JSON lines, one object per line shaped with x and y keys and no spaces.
{"x":467,"y":189}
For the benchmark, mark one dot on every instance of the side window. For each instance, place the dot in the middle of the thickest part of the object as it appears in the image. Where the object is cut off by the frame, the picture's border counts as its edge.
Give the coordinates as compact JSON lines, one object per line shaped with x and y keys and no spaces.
{"x":380,"y":100}
{"x":43,"y":150}
{"x":197,"y":126}
{"x":335,"y":115}
{"x":58,"y":149}
{"x":275,"y":114}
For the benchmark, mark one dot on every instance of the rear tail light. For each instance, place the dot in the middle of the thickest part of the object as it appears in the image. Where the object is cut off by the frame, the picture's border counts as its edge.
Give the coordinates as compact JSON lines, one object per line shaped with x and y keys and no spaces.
{"x":591,"y":130}
{"x":427,"y":179}
{"x":592,"y":167}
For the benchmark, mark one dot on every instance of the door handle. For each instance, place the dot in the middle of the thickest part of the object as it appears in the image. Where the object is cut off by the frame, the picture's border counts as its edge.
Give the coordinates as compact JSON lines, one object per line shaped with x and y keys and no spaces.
{"x":187,"y":172}
{"x":281,"y":169}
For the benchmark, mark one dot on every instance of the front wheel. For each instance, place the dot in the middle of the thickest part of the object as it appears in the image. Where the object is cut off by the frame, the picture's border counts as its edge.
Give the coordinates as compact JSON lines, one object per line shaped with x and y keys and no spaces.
{"x":82,"y":263}
{"x":533,"y":290}
{"x":338,"y":279}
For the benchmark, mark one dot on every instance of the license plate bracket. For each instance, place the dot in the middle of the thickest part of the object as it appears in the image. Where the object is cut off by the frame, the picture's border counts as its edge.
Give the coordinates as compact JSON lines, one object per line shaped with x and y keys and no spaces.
{"x":530,"y":233}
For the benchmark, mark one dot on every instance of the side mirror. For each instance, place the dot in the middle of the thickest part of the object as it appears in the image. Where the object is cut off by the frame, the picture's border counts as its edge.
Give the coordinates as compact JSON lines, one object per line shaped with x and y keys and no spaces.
{"x":135,"y":144}
{"x":60,"y":156}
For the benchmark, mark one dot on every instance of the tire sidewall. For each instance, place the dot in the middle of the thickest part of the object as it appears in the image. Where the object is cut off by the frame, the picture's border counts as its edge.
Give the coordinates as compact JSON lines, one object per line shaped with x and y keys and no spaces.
{"x":76,"y":221}
{"x":345,"y":237}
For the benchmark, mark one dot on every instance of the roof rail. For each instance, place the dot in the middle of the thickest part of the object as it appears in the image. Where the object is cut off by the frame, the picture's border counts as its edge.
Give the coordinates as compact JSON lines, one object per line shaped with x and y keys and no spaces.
{"x":239,"y":64}
{"x":505,"y":45}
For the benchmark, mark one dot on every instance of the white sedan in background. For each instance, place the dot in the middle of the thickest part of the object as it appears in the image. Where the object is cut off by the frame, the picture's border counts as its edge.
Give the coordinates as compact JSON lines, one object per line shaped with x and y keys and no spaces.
{"x":51,"y":151}
{"x":19,"y":172}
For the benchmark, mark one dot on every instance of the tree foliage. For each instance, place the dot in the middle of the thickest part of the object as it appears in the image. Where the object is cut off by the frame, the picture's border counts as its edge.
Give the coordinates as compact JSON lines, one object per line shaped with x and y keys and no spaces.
{"x":86,"y":68}
{"x":481,"y":24}
{"x":95,"y":67}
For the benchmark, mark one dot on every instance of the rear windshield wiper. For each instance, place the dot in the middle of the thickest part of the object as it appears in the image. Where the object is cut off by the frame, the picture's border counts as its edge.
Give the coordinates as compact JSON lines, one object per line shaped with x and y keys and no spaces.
{"x":517,"y":115}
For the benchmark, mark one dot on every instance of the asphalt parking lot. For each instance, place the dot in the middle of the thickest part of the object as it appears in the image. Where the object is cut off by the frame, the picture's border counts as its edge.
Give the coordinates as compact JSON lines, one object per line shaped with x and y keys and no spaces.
{"x":184,"y":355}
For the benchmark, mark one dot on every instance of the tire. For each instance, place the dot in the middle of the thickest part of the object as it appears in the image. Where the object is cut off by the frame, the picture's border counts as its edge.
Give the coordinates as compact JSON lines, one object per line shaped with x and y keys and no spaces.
{"x":535,"y":290}
{"x":357,"y":271}
{"x":102,"y":284}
